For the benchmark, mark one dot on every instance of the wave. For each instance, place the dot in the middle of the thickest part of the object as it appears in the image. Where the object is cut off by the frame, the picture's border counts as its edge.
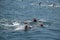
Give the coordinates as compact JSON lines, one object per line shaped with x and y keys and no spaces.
{"x":46,"y":5}
{"x":15,"y":25}
{"x":57,"y":6}
{"x":43,"y":20}
{"x":21,"y":27}
{"x":51,"y":5}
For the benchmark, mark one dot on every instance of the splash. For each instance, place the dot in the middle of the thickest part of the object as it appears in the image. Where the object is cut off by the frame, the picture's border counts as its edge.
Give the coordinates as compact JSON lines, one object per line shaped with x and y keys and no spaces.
{"x":12,"y":24}
{"x":20,"y":27}
{"x":15,"y":25}
{"x":57,"y":6}
{"x":43,"y":20}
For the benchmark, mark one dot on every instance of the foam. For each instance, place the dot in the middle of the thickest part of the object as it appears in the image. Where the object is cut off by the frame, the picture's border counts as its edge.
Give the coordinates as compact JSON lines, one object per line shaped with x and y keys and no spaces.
{"x":57,"y":6}
{"x":42,"y":20}
{"x":15,"y":23}
{"x":21,"y":27}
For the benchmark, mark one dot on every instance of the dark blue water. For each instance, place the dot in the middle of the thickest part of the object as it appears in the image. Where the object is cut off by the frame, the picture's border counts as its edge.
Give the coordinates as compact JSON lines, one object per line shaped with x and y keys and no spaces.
{"x":22,"y":10}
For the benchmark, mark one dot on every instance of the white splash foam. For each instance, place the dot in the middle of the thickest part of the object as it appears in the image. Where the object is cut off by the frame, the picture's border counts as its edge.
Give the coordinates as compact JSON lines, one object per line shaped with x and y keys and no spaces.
{"x":51,"y":5}
{"x":14,"y":27}
{"x":28,"y":21}
{"x":21,"y":27}
{"x":42,"y":20}
{"x":15,"y":23}
{"x":45,"y":5}
{"x":7,"y":25}
{"x":57,"y":6}
{"x":45,"y":25}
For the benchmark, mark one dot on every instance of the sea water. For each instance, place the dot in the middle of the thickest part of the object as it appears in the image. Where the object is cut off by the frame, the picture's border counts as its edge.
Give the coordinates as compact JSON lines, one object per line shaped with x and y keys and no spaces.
{"x":14,"y":12}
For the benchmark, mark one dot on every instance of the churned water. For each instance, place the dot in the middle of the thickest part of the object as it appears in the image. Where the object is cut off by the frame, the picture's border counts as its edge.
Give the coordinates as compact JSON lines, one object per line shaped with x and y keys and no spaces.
{"x":14,"y":12}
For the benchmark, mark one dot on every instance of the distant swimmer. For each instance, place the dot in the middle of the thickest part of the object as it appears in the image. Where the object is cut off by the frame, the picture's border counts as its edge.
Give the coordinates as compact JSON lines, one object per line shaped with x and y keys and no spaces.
{"x":41,"y":24}
{"x":39,"y":3}
{"x":53,"y":5}
{"x":27,"y":28}
{"x":34,"y":20}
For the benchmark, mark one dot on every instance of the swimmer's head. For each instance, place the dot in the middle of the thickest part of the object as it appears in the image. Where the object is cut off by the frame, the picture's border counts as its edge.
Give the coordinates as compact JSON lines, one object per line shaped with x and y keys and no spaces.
{"x":41,"y":24}
{"x":34,"y":20}
{"x":26,"y":27}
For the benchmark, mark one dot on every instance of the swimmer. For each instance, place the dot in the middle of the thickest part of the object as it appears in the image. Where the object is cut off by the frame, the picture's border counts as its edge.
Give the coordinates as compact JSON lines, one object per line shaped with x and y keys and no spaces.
{"x":27,"y":28}
{"x":41,"y":25}
{"x":39,"y":3}
{"x":34,"y":20}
